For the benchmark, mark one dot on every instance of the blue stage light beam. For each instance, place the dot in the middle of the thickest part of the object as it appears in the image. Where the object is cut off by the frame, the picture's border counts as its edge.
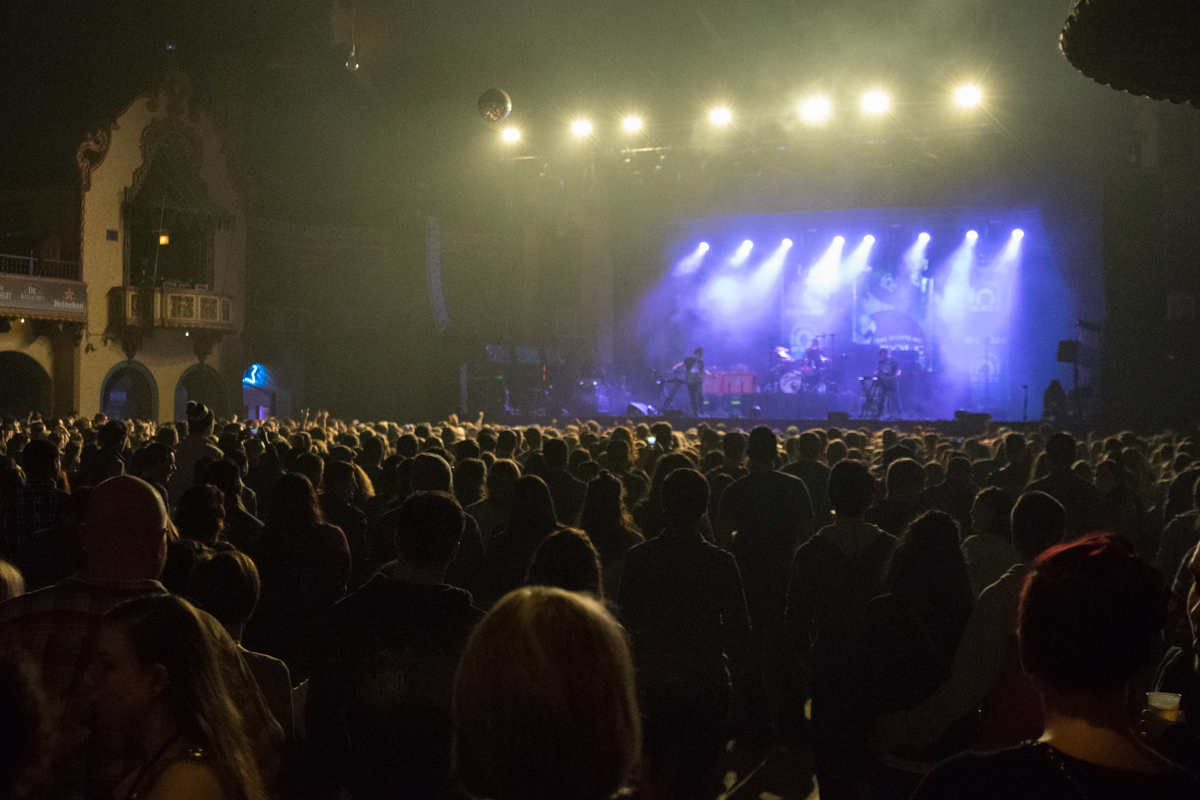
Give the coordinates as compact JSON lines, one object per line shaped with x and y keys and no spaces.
{"x":743,"y":252}
{"x":856,"y":262}
{"x":823,"y":277}
{"x":767,"y":274}
{"x":957,"y":290}
{"x":914,"y":256}
{"x":691,"y":262}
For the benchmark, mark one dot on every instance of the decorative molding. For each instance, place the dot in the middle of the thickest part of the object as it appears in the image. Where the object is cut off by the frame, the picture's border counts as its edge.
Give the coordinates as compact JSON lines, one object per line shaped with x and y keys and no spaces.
{"x":163,"y":135}
{"x":203,"y":342}
{"x":92,"y":151}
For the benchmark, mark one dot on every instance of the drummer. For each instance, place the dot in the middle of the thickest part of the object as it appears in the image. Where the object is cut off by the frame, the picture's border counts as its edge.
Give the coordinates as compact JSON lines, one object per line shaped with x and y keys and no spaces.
{"x":814,"y":356}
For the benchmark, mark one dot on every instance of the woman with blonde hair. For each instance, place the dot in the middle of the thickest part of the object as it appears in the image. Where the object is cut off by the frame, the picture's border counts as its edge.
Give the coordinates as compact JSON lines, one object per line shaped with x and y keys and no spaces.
{"x":544,"y":701}
{"x":157,"y":674}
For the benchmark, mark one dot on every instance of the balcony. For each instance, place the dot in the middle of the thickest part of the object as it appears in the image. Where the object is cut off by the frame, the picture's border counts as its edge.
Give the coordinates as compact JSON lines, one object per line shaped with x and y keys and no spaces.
{"x":35,"y":267}
{"x":42,"y":288}
{"x":169,"y":307}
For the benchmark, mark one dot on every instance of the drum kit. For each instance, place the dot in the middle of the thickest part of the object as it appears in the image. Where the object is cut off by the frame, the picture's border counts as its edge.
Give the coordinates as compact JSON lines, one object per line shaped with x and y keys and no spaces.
{"x":807,"y":375}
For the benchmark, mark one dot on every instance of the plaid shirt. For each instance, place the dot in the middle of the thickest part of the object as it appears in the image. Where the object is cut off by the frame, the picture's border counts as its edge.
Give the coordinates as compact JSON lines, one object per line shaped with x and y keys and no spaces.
{"x":57,"y":628}
{"x":33,"y":508}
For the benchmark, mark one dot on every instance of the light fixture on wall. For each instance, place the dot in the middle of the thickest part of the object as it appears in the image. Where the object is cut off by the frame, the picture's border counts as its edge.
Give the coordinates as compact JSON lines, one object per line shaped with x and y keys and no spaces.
{"x":164,"y":236}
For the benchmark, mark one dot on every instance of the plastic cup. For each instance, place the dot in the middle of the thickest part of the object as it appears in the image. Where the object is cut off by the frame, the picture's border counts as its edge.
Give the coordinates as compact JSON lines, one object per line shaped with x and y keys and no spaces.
{"x":1164,"y":704}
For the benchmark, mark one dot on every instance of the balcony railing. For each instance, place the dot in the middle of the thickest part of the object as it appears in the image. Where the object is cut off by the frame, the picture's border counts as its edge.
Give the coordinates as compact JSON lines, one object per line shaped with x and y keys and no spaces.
{"x":40,"y":267}
{"x":169,"y":307}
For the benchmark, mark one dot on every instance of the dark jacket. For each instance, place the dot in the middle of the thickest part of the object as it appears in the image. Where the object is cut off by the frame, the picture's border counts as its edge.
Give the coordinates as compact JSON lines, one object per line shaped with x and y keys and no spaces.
{"x":379,"y":702}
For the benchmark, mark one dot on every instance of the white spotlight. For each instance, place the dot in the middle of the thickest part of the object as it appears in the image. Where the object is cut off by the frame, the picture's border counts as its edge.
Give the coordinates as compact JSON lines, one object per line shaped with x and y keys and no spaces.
{"x":632,"y":124}
{"x":787,"y":242}
{"x":704,"y":247}
{"x":869,"y":239}
{"x":511,"y":135}
{"x":924,"y":237}
{"x":581,"y":127}
{"x":972,"y":236}
{"x":839,"y":240}
{"x":1018,"y":233}
{"x":968,"y":96}
{"x":815,"y":110}
{"x":721,"y":116}
{"x":875,"y":102}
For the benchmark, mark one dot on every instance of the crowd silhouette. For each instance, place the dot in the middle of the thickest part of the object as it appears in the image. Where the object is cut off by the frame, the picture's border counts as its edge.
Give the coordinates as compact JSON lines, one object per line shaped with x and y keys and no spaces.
{"x":314,"y":609}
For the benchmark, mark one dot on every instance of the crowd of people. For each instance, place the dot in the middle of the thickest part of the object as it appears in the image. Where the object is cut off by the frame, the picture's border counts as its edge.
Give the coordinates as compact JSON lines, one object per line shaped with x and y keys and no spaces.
{"x":313,"y":609}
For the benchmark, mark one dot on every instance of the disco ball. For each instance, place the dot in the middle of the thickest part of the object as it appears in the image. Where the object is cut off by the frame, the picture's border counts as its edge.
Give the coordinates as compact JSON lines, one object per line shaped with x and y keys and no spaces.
{"x":494,"y":105}
{"x":352,"y":61}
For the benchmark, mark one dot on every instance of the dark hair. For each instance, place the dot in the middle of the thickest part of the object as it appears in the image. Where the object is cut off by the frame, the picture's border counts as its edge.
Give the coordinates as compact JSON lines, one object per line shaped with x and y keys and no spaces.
{"x":733,"y":444}
{"x":1091,"y":612}
{"x":226,"y":585}
{"x":808,"y":445}
{"x":684,"y":496}
{"x":226,"y":475}
{"x":905,"y":476}
{"x":166,"y":630}
{"x":1038,"y":522}
{"x":428,"y":527}
{"x":927,"y":566}
{"x":199,"y":418}
{"x":997,"y":504}
{"x":531,"y":515}
{"x":763,"y":446}
{"x":294,"y":505}
{"x":200,"y":515}
{"x":958,"y":468}
{"x":851,"y":488}
{"x":469,"y":477}
{"x":554,"y":452}
{"x":1060,"y":449}
{"x":40,"y":458}
{"x":567,"y":559}
{"x":604,"y":514}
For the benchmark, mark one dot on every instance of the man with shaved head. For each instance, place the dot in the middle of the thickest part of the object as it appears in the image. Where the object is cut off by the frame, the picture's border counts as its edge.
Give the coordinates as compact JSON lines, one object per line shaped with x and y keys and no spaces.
{"x":124,"y":539}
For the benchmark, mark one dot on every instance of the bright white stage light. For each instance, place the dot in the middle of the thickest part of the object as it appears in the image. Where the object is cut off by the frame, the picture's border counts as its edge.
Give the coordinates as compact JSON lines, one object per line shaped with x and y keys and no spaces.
{"x":704,"y":247}
{"x":632,"y":124}
{"x":869,"y":239}
{"x":721,"y":116}
{"x":1018,"y":233}
{"x":815,"y":110}
{"x":875,"y":102}
{"x":581,"y":127}
{"x":924,"y":237}
{"x":743,"y":252}
{"x":839,"y":240}
{"x":511,"y":135}
{"x":968,"y":96}
{"x":972,"y":236}
{"x":787,"y":242}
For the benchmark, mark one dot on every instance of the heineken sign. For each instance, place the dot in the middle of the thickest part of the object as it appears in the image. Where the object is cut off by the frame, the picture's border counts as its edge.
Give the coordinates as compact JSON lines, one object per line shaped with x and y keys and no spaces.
{"x":42,"y":298}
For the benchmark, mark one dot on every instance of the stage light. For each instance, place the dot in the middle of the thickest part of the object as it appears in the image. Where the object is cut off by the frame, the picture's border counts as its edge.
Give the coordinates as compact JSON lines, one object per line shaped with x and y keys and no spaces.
{"x":511,"y":135}
{"x":968,"y":96}
{"x":632,"y":124}
{"x":875,"y":102}
{"x":924,"y":237}
{"x":704,"y":247}
{"x":721,"y":116}
{"x":787,"y":242}
{"x":869,"y":239}
{"x":581,"y":127}
{"x":839,"y":240}
{"x":815,"y":110}
{"x":743,"y":252}
{"x":1018,"y":233}
{"x":972,"y":236}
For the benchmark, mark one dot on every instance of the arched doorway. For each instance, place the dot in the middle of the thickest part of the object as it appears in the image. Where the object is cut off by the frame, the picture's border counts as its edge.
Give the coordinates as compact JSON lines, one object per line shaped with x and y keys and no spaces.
{"x":201,"y":383}
{"x":129,"y":392}
{"x":24,"y":386}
